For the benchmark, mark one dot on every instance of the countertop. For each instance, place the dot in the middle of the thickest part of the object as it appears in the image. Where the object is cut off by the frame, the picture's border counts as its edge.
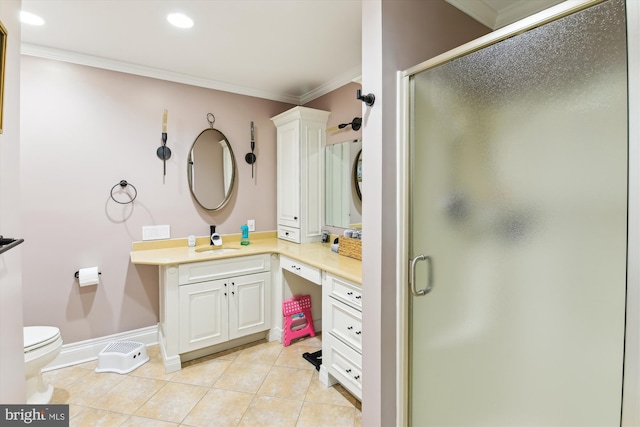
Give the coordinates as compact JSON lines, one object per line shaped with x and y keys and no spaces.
{"x":176,"y":251}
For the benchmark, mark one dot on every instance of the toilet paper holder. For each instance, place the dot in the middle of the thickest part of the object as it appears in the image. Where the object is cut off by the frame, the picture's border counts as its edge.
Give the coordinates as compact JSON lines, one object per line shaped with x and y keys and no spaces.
{"x":77,"y":274}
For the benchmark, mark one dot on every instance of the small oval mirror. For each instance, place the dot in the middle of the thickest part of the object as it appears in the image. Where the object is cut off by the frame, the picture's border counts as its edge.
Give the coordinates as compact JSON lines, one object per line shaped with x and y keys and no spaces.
{"x":211,"y":169}
{"x":357,"y":174}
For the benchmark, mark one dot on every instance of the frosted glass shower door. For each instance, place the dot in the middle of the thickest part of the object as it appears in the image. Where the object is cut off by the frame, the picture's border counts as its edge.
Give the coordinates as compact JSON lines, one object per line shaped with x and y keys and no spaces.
{"x":518,"y":197}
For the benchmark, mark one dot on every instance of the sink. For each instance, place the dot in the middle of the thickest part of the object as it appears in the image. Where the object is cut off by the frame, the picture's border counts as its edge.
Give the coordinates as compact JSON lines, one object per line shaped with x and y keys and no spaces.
{"x":216,"y":250}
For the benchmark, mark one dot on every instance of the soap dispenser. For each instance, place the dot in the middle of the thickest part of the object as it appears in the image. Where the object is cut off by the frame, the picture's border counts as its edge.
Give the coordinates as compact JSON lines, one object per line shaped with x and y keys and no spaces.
{"x":244,"y":241}
{"x":216,"y":240}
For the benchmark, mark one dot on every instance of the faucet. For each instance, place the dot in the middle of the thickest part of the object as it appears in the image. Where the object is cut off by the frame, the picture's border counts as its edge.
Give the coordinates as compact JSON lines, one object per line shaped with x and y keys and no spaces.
{"x":216,"y":240}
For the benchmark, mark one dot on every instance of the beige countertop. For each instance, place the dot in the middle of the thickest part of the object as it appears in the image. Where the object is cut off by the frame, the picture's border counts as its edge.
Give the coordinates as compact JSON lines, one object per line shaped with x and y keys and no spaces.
{"x":176,"y":251}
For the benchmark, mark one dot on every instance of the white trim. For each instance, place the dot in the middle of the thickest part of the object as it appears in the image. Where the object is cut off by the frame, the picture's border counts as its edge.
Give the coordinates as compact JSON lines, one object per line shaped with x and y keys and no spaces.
{"x":156,"y":73}
{"x":484,"y":13}
{"x":402,"y":254}
{"x":171,"y":363}
{"x":332,"y":85}
{"x":88,"y":350}
{"x":631,"y":381}
{"x":516,"y":11}
{"x":478,"y":10}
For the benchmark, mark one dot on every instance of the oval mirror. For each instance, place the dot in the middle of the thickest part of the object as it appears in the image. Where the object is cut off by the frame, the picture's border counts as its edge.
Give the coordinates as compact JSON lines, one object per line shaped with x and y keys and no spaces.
{"x":211,"y":169}
{"x":357,"y":174}
{"x":343,"y":199}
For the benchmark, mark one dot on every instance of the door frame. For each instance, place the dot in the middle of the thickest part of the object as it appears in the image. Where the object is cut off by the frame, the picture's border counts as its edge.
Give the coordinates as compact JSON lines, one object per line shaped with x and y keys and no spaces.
{"x":631,"y":376}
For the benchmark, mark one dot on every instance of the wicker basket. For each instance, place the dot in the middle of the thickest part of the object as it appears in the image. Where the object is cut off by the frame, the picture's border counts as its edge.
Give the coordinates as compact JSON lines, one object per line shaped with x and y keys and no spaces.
{"x":350,"y":247}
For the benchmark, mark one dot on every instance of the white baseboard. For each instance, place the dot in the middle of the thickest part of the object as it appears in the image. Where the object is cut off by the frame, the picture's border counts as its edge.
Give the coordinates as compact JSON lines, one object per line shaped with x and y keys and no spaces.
{"x":86,"y":351}
{"x":275,"y":334}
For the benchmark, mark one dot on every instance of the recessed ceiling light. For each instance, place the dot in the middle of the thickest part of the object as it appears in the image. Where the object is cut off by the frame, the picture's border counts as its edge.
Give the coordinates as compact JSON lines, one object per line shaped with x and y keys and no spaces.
{"x":30,"y":18}
{"x":180,"y":20}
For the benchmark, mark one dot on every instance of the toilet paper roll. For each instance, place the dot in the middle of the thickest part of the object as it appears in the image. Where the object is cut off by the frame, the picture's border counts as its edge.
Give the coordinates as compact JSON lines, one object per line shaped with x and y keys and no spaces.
{"x":88,"y":276}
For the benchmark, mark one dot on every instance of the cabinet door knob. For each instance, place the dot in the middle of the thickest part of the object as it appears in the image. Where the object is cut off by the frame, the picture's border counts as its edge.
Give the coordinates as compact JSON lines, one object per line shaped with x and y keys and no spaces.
{"x":358,"y":332}
{"x":357,"y":377}
{"x":295,"y":217}
{"x":349,"y":370}
{"x":349,"y":327}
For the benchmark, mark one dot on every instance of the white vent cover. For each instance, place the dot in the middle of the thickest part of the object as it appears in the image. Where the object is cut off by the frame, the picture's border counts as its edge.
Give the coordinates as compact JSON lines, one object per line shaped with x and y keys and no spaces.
{"x":122,"y":357}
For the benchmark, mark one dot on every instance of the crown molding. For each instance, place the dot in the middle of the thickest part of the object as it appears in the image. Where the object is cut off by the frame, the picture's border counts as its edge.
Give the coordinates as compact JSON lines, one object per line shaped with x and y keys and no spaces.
{"x":478,"y":10}
{"x":125,"y":67}
{"x":522,"y":9}
{"x":332,"y":85}
{"x":482,"y":11}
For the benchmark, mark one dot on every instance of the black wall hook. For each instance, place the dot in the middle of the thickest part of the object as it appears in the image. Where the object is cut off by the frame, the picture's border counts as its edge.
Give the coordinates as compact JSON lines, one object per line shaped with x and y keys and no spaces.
{"x":367,"y":99}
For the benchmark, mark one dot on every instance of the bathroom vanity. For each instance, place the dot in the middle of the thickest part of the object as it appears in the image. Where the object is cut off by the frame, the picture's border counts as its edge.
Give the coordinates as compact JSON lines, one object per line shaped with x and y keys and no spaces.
{"x":218,"y":300}
{"x":341,"y":324}
{"x":213,"y":300}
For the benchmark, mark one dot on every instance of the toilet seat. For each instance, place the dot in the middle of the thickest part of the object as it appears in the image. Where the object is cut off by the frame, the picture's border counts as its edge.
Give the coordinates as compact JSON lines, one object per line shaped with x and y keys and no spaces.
{"x":36,"y":337}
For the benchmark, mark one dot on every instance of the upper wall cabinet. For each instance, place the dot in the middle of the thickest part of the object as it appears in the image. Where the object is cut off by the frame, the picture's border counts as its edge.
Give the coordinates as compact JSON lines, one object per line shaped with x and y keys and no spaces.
{"x":301,"y":139}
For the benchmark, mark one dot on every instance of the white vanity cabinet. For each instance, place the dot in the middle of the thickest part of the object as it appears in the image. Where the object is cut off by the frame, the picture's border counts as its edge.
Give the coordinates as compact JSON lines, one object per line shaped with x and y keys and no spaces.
{"x":342,"y":337}
{"x":216,"y":311}
{"x":209,"y":303}
{"x":301,"y":139}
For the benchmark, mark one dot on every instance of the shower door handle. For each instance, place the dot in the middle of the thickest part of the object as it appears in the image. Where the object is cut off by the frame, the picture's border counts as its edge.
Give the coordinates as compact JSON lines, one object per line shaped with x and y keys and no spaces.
{"x":412,"y":275}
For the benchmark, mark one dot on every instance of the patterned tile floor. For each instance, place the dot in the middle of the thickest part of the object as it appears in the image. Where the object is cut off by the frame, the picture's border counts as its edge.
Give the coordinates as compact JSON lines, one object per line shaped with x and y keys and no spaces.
{"x":259,"y":385}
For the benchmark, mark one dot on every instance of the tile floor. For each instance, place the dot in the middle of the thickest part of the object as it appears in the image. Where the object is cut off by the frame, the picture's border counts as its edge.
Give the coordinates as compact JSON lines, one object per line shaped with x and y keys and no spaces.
{"x":259,"y":385}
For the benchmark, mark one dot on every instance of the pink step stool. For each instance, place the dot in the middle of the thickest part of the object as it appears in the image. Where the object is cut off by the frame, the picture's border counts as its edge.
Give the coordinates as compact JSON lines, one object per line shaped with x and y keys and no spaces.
{"x":297,"y":318}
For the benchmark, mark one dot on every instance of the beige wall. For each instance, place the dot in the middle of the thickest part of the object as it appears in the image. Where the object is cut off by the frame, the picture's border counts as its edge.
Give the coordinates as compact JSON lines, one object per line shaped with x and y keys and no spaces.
{"x":12,"y":389}
{"x":83,"y":130}
{"x":344,"y":107}
{"x":398,"y":35}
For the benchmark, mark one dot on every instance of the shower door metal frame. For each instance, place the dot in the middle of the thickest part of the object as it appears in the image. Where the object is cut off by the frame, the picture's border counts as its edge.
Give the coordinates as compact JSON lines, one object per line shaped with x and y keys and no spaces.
{"x":631,"y":377}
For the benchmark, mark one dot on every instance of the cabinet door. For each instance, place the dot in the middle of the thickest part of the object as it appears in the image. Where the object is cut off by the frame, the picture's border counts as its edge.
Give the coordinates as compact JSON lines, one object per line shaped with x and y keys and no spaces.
{"x":203,"y":314}
{"x":249,"y":304}
{"x":289,"y":174}
{"x":311,"y":178}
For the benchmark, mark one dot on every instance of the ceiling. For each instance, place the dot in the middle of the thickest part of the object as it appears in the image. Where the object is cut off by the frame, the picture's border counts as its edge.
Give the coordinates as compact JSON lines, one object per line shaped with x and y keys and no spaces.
{"x":285,"y":50}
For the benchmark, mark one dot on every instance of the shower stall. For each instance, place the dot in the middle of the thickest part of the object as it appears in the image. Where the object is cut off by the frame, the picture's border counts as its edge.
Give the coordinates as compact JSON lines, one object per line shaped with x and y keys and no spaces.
{"x":516,"y":200}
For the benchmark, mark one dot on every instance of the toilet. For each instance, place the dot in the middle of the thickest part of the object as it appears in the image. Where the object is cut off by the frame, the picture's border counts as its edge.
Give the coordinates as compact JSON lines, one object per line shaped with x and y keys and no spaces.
{"x":41,"y":345}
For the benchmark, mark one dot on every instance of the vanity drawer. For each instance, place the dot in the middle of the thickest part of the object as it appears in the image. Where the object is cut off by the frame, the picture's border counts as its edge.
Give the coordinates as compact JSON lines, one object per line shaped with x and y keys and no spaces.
{"x":345,"y":291}
{"x":196,"y":272}
{"x":345,"y":323}
{"x":346,"y":366}
{"x":289,"y":233}
{"x":312,"y":274}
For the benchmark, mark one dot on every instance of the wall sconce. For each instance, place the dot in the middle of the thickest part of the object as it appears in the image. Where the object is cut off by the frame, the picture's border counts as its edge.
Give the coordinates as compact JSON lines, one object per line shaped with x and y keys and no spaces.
{"x":163,"y":152}
{"x":355,"y":124}
{"x":250,"y":157}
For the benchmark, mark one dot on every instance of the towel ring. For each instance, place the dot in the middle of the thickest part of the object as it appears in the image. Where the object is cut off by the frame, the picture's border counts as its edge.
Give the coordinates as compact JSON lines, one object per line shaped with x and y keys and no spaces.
{"x":122,"y":185}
